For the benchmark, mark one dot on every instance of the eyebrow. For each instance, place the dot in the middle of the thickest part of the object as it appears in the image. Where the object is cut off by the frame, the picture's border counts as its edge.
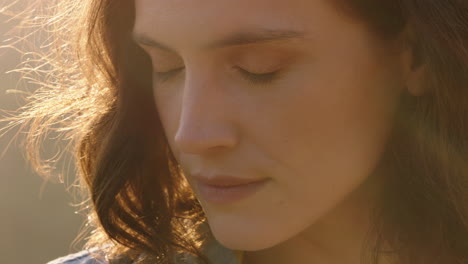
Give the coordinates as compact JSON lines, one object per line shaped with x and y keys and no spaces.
{"x":236,"y":39}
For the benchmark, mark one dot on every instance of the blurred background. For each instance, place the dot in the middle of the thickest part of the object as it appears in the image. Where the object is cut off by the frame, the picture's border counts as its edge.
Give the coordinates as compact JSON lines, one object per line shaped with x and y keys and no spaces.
{"x":38,"y":221}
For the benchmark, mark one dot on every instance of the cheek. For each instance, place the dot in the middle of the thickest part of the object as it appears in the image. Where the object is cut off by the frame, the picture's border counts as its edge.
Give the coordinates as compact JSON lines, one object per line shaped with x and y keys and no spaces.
{"x":168,"y":106}
{"x":334,"y":129}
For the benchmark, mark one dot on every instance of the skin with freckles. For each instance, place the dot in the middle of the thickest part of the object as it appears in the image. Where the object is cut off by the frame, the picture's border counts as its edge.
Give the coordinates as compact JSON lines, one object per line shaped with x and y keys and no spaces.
{"x":292,"y":91}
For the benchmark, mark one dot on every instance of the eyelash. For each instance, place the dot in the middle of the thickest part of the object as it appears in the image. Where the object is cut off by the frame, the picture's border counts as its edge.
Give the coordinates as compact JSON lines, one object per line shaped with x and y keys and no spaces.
{"x":254,"y":78}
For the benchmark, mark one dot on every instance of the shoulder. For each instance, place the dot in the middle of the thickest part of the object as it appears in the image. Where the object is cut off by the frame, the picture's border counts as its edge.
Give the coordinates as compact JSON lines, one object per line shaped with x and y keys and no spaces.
{"x":87,"y":257}
{"x":213,"y":250}
{"x":83,"y":257}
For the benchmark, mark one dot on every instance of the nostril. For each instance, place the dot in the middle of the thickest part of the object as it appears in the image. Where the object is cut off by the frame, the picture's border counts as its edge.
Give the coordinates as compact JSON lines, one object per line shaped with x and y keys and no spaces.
{"x":200,"y":139}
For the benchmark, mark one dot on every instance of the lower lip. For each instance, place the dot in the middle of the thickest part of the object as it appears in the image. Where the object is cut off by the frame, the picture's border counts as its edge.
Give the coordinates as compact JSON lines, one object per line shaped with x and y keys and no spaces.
{"x":230,"y":194}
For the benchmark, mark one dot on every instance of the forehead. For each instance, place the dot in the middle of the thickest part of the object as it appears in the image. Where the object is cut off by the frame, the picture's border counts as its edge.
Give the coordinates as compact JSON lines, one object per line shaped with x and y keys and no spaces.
{"x":177,"y":21}
{"x":221,"y":9}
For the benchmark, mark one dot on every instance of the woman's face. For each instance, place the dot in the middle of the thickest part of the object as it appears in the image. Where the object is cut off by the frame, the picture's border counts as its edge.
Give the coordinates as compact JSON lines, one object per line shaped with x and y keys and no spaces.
{"x":314,"y":124}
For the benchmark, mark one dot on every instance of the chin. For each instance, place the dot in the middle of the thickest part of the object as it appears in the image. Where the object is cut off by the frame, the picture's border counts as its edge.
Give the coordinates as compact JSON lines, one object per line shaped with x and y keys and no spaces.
{"x":244,"y":244}
{"x":245,"y":240}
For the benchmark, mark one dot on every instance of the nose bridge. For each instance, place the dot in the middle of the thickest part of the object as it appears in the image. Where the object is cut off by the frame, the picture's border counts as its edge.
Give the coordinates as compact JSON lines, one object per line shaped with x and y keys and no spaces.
{"x":205,"y":121}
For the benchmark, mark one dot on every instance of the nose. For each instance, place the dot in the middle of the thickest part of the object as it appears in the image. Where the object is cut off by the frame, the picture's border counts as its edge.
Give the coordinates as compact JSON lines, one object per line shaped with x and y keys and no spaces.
{"x":206,"y":120}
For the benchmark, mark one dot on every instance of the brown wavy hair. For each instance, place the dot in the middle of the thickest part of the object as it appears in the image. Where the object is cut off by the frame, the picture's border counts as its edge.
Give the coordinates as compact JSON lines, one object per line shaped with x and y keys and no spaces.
{"x":96,"y":90}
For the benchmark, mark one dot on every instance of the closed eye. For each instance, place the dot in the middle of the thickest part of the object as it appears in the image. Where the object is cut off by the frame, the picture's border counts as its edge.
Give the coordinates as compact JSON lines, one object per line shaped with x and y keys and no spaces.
{"x":164,"y":76}
{"x":258,"y":78}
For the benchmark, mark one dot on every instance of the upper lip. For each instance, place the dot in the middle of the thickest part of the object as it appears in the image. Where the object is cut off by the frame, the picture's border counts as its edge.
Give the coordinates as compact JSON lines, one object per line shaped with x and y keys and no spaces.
{"x":223,"y":180}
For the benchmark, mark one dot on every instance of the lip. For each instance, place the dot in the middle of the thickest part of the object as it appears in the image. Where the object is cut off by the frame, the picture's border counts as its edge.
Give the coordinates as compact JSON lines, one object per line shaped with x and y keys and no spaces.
{"x":223,"y":189}
{"x":223,"y":180}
